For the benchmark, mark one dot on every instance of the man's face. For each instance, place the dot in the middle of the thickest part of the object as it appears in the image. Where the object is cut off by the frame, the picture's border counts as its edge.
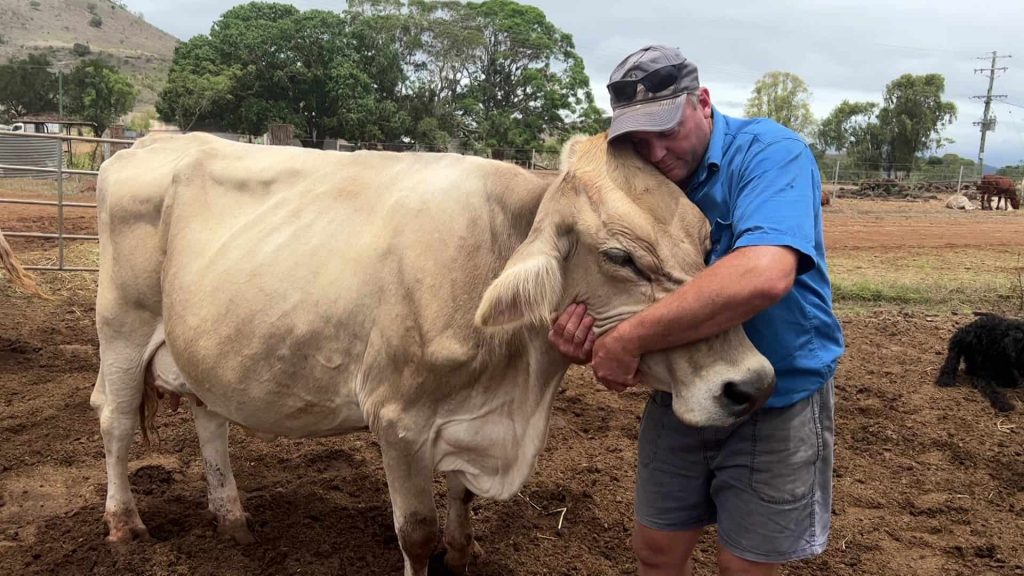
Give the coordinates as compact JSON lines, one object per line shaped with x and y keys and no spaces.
{"x":678,"y":152}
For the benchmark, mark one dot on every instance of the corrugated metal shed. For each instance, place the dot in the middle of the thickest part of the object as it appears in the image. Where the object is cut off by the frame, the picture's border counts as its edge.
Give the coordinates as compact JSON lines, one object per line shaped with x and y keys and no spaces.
{"x":22,"y":151}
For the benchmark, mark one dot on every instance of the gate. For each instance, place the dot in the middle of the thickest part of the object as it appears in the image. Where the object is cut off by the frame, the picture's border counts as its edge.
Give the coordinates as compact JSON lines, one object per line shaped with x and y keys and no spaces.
{"x":59,"y":171}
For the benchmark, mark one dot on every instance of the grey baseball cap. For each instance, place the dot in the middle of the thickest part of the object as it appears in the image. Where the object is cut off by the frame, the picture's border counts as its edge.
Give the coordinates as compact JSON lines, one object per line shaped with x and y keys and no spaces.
{"x":647,"y":90}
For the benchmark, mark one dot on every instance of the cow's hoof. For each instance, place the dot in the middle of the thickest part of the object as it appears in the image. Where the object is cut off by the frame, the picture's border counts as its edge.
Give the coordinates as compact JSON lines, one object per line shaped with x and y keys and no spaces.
{"x":125,"y":528}
{"x":235,"y":528}
{"x":457,"y":561}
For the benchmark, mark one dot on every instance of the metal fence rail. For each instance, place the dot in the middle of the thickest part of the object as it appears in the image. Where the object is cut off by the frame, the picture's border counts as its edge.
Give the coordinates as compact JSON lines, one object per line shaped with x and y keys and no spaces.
{"x":60,"y":171}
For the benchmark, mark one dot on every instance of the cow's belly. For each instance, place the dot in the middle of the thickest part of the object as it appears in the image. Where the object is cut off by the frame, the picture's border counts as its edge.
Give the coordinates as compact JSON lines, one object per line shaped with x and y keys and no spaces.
{"x":286,"y":392}
{"x":295,"y":418}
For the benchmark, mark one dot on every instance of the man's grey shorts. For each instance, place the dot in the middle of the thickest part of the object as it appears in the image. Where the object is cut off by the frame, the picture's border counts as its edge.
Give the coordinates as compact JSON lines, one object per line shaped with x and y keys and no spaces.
{"x":766,"y":482}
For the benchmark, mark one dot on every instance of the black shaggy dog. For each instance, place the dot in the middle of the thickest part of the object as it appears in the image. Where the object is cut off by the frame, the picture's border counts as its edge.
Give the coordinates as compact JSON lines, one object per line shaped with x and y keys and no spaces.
{"x":992,"y":348}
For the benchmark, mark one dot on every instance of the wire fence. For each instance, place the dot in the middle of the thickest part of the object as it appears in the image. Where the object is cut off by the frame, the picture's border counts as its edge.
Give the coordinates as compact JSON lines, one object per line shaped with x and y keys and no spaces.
{"x":531,"y":158}
{"x":839,"y":171}
{"x":60,"y":171}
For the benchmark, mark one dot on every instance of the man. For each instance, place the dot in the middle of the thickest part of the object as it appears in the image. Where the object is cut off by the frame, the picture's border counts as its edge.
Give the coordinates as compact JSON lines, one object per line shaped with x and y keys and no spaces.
{"x":766,"y":482}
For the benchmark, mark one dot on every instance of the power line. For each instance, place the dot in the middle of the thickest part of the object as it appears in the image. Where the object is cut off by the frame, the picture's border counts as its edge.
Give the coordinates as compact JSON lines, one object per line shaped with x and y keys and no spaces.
{"x":988,"y":123}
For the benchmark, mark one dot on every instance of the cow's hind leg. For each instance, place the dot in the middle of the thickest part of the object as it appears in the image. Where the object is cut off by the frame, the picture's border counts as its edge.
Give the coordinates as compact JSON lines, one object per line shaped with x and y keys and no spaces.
{"x":409,"y":472}
{"x":222,"y":492}
{"x":116,"y":398}
{"x":458,"y":531}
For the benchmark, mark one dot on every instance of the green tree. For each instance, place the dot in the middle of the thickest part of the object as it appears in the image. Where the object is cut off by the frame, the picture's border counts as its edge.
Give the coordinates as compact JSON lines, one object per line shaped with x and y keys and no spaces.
{"x":198,"y":88}
{"x":97,"y":92}
{"x":912,"y":118}
{"x":27,"y":87}
{"x":846,"y":125}
{"x":783,"y":97}
{"x":530,"y":83}
{"x":494,"y":74}
{"x":264,"y":63}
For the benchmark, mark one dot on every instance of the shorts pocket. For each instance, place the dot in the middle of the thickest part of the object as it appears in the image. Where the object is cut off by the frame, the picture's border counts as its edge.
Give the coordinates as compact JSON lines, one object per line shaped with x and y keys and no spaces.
{"x":786,"y":447}
{"x":651,"y":426}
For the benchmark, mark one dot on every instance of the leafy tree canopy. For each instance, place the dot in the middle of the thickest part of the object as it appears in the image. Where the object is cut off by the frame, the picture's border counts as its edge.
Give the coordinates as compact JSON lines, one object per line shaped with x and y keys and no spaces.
{"x":913,"y":116}
{"x":494,"y":74}
{"x":27,"y":86}
{"x":783,"y":97}
{"x":95,"y":91}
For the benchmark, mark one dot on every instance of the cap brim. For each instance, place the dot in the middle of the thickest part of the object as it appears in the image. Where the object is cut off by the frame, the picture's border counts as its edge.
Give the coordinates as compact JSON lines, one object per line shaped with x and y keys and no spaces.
{"x":648,"y":117}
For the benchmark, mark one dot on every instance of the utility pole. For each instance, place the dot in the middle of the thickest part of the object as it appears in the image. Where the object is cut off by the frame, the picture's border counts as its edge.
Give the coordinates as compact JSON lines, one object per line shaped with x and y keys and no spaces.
{"x":988,"y":122}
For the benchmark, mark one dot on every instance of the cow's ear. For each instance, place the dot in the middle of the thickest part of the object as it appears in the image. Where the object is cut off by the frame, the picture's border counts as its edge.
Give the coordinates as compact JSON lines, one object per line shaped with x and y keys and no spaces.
{"x":570,"y":150}
{"x":529,"y":289}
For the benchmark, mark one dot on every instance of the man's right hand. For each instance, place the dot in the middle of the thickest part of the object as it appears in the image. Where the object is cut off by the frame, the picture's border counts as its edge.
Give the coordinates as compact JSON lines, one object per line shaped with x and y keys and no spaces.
{"x":573,"y":335}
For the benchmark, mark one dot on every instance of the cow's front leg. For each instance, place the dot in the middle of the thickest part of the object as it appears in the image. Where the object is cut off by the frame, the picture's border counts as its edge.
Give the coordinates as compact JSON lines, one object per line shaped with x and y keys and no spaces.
{"x":458,"y":531}
{"x":409,"y":472}
{"x":222,"y":493}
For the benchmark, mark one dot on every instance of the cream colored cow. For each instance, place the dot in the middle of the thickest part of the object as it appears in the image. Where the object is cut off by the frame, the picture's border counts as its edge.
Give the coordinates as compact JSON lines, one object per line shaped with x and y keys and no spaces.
{"x":306,"y":293}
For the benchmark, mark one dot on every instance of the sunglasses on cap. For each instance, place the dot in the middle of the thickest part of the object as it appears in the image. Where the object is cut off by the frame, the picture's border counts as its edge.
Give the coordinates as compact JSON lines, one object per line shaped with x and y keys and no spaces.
{"x":659,"y":80}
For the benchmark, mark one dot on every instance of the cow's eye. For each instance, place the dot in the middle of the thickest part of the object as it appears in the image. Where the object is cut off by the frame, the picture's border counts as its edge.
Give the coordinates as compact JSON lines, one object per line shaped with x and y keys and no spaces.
{"x":623,"y":259}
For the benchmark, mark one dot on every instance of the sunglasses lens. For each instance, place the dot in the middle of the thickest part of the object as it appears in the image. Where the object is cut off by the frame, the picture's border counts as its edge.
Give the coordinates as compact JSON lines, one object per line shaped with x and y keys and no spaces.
{"x":623,"y":92}
{"x":661,"y":79}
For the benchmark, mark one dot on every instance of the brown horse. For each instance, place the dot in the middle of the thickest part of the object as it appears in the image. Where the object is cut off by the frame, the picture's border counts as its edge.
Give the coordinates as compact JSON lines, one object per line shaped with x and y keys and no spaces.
{"x":1002,"y":189}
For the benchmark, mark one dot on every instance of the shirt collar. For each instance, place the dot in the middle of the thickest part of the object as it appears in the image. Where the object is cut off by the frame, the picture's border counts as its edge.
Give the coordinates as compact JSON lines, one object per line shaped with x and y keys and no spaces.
{"x":713,"y":157}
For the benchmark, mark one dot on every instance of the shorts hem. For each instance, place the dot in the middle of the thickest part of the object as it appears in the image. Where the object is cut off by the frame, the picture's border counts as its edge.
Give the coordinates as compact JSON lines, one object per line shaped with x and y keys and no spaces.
{"x":678,"y":527}
{"x":799,"y":554}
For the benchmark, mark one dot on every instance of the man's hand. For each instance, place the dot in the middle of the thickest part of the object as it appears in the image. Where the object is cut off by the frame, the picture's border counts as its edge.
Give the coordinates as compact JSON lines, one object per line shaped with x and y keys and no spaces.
{"x":572,"y":334}
{"x":615,"y":363}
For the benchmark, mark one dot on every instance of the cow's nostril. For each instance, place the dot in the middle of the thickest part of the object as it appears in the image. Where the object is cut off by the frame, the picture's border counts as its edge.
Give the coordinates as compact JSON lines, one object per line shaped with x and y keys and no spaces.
{"x":733,"y":393}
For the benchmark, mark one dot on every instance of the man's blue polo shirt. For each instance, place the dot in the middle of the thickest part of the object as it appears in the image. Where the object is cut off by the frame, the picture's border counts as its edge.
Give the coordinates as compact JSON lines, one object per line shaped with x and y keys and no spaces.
{"x":759,"y":186}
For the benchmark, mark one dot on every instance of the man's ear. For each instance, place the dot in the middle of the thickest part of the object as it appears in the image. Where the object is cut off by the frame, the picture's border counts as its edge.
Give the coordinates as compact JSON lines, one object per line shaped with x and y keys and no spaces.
{"x":529,"y":289}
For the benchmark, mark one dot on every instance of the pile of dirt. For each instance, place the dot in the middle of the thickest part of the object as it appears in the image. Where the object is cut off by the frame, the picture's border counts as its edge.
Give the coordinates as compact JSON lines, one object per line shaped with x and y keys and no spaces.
{"x":889,"y":189}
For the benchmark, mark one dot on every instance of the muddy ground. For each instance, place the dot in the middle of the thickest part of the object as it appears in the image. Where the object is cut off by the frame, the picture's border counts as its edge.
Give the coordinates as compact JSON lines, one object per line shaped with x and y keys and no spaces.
{"x":928,"y":481}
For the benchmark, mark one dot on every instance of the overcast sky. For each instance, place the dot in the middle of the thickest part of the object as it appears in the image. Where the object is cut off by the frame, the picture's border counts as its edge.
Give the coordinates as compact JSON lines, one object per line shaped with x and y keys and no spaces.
{"x":843,"y":49}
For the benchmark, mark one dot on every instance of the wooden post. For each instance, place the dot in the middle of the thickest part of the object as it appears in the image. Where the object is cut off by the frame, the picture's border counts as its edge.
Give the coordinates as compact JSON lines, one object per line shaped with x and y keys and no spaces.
{"x":116,"y":131}
{"x":280,"y":135}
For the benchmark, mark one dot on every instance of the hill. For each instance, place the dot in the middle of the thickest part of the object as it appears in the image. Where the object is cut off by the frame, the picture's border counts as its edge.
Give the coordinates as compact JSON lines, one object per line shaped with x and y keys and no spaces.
{"x":107,"y":29}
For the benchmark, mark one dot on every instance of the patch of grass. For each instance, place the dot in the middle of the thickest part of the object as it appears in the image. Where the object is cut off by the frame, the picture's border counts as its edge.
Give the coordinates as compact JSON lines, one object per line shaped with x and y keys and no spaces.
{"x":935,"y":278}
{"x":866,"y":291}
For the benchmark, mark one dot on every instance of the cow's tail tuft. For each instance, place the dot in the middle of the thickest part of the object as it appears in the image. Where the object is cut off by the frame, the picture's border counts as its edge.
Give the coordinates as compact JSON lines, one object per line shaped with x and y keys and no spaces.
{"x":19,"y":276}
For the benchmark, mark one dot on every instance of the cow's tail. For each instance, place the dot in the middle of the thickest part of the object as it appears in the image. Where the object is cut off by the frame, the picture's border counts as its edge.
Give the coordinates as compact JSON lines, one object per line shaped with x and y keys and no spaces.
{"x":148,"y":408}
{"x":19,"y":277}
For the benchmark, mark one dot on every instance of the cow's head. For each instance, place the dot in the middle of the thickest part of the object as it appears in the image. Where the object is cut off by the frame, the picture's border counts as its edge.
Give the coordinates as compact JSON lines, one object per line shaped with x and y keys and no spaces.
{"x":614,"y":233}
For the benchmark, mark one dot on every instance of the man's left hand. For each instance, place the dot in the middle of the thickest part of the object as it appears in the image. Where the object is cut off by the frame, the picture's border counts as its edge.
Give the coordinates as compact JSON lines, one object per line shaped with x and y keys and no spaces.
{"x":616,"y":365}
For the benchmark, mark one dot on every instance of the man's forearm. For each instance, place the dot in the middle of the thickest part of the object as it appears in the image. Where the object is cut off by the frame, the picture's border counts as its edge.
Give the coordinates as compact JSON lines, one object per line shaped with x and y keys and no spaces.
{"x":724,"y":295}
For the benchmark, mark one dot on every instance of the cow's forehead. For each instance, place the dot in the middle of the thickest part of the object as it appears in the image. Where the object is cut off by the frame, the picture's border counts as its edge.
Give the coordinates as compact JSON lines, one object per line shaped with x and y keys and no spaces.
{"x":629,"y":190}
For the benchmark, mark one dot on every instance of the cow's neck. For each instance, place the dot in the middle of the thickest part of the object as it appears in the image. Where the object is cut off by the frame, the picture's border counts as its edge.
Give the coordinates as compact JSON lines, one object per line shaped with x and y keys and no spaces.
{"x":499,"y":426}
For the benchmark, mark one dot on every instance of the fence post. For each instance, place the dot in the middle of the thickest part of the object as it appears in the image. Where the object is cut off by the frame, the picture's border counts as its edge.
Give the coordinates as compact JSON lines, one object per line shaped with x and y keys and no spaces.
{"x":835,"y":179}
{"x":60,"y":205}
{"x":960,"y":179}
{"x":280,"y":135}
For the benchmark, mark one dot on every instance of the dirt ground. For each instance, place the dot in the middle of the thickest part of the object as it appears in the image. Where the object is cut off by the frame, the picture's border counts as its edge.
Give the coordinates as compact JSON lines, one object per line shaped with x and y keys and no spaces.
{"x":928,"y":481}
